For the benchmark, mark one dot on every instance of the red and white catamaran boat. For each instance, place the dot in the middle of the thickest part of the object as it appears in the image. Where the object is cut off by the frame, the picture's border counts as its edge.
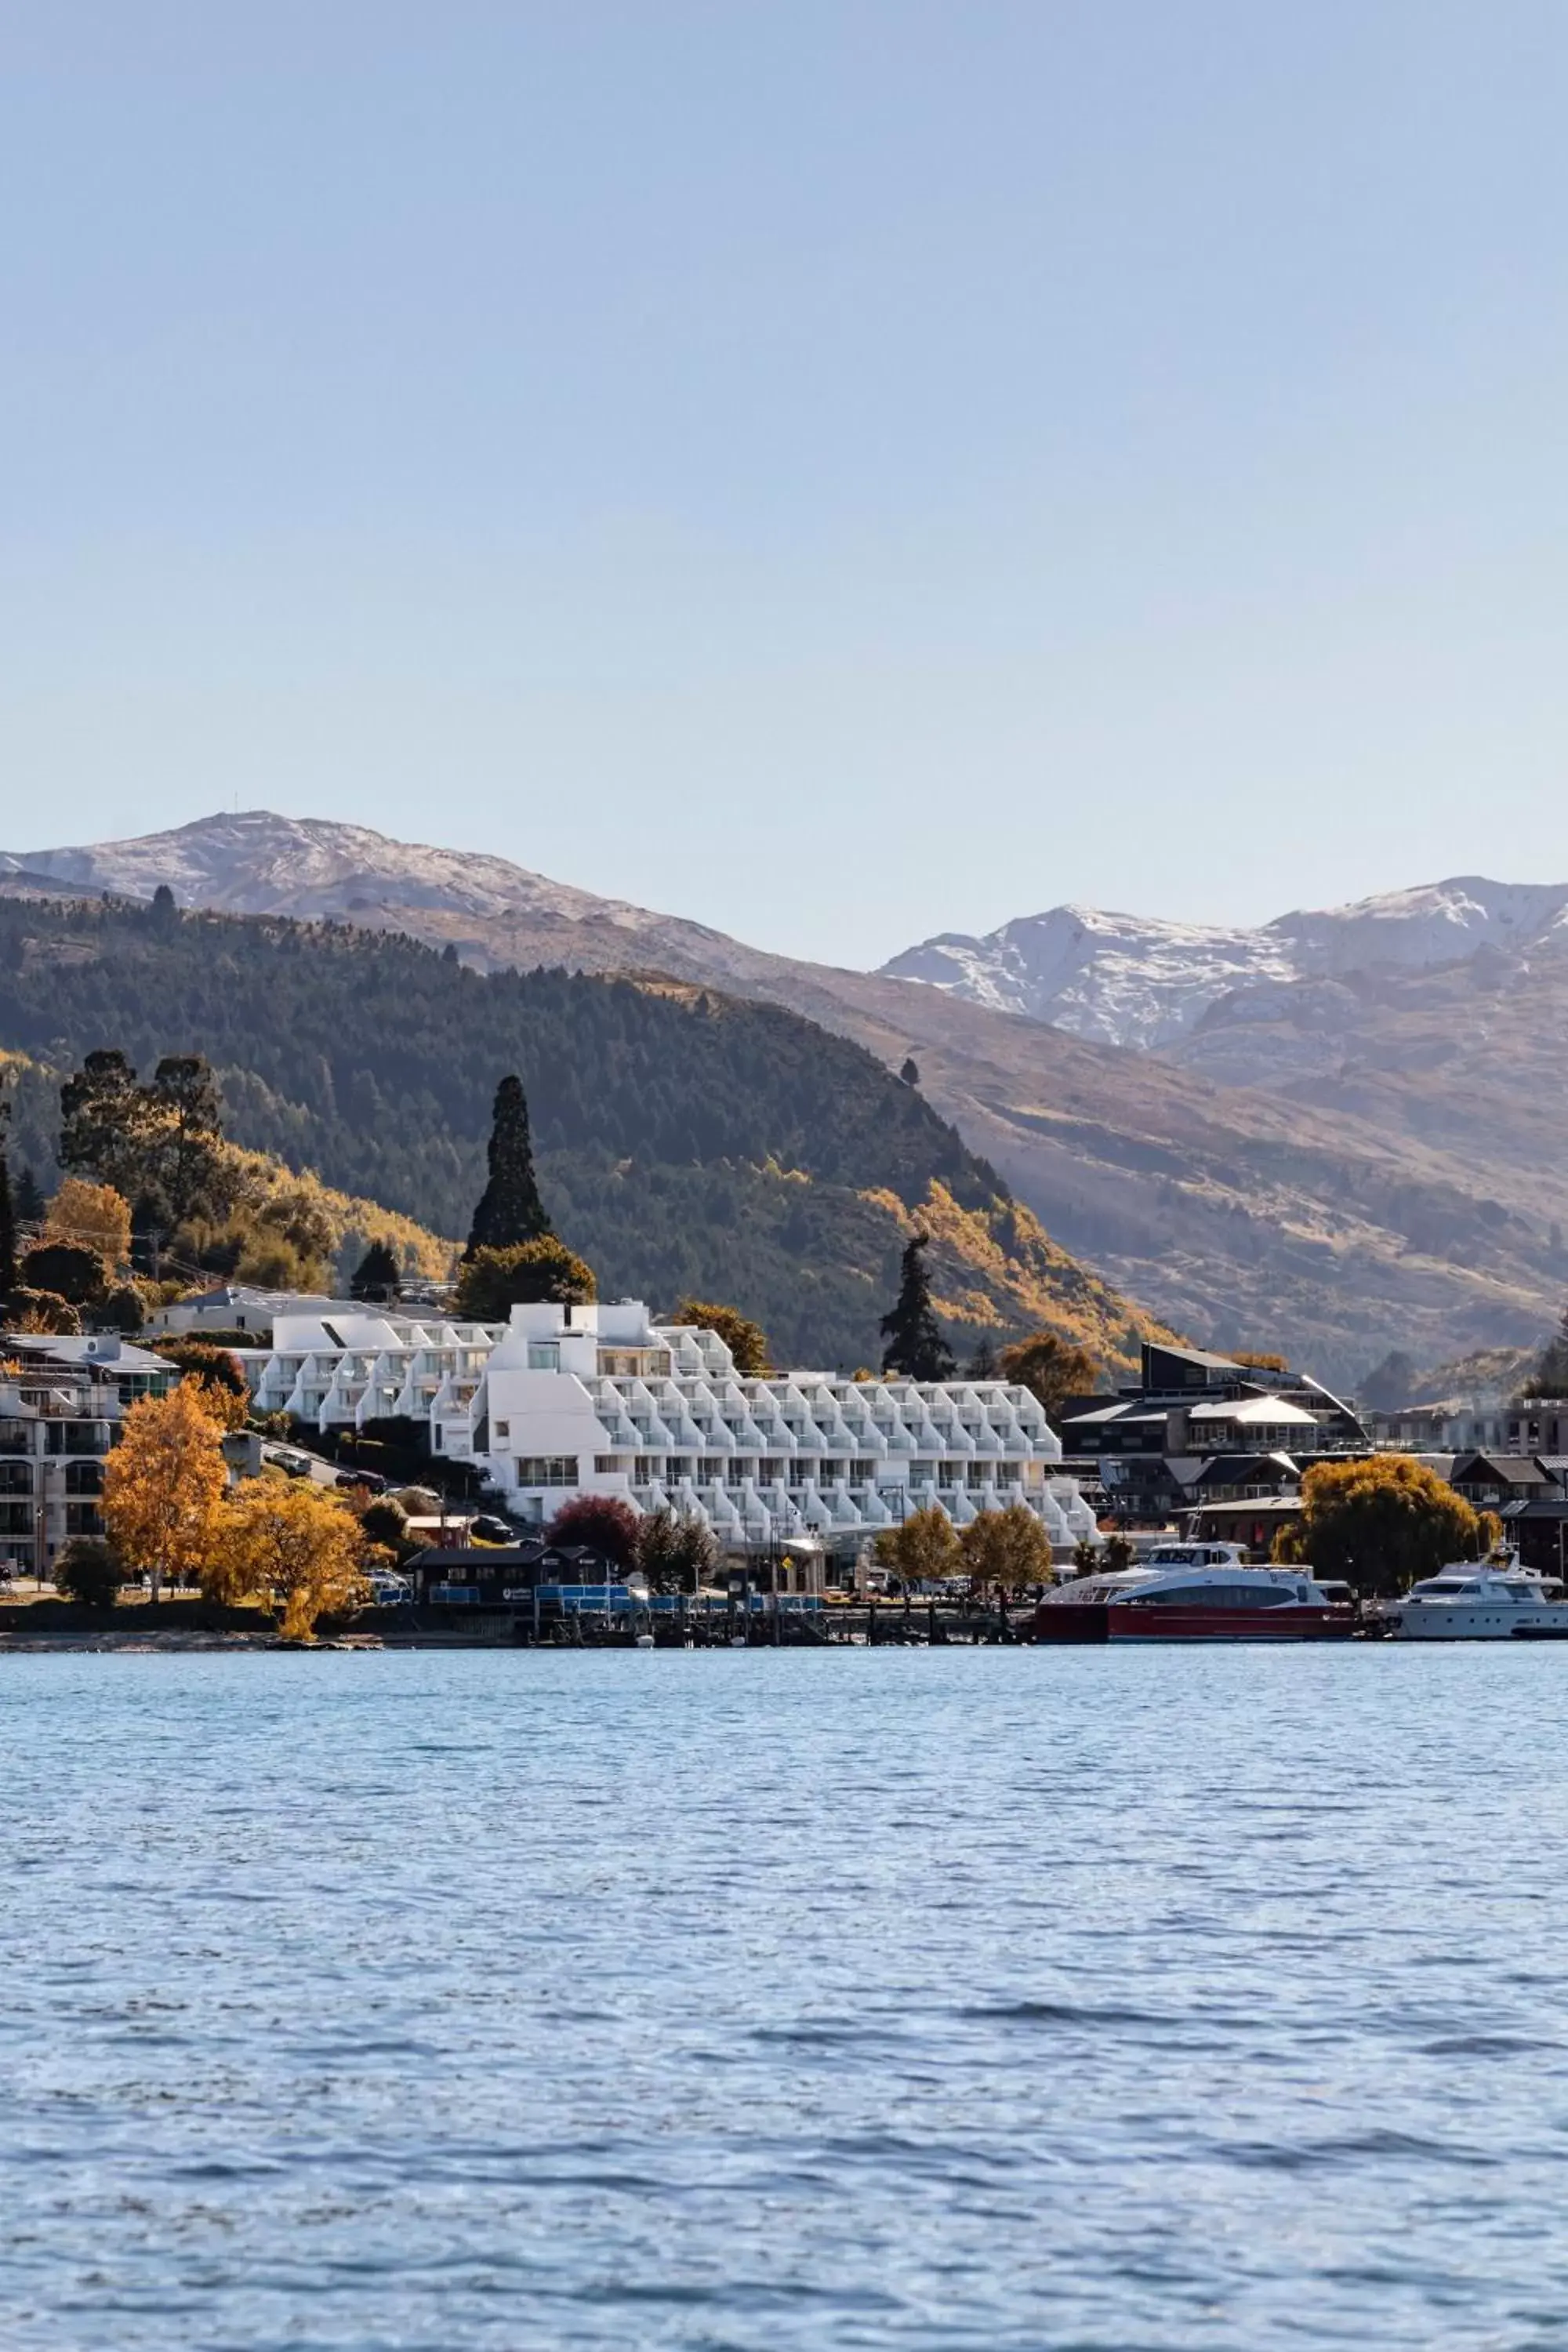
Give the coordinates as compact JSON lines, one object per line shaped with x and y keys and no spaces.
{"x":1196,"y":1592}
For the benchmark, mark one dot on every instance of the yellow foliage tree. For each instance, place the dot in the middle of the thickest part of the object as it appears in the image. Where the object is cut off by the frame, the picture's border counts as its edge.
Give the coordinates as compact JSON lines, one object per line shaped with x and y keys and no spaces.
{"x":1382,"y":1524}
{"x":295,"y":1545}
{"x":746,"y":1341}
{"x":216,"y":1376}
{"x":93,"y":1216}
{"x":164,"y":1486}
{"x":1050,"y":1368}
{"x":923,"y":1546}
{"x":1009,"y":1548}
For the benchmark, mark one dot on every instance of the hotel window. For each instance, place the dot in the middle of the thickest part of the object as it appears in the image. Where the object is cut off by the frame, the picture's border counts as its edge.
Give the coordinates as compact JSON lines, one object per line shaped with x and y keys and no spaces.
{"x":712,"y":1470}
{"x":863,"y":1473}
{"x":543,"y":1356}
{"x":503,"y":1428}
{"x":606,"y":1464}
{"x":547,"y":1470}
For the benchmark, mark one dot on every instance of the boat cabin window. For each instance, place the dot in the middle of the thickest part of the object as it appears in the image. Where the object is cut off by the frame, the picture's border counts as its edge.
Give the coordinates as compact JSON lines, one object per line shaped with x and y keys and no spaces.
{"x":1215,"y":1596}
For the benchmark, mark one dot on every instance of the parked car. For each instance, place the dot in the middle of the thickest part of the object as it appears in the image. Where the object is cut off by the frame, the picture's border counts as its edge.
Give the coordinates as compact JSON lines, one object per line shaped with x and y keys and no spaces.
{"x":293,"y":1465}
{"x":490,"y":1529}
{"x":371,"y":1480}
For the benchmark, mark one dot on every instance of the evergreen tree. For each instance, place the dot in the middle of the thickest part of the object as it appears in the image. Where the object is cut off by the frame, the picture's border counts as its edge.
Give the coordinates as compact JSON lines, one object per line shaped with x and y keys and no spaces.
{"x":494,"y":1281}
{"x":509,"y":1209}
{"x":376,"y":1275}
{"x":7,"y":1226}
{"x":186,"y":1117}
{"x":29,"y":1202}
{"x":104,"y":1123}
{"x":1550,"y":1378}
{"x":915,"y":1346}
{"x":909,"y":1073}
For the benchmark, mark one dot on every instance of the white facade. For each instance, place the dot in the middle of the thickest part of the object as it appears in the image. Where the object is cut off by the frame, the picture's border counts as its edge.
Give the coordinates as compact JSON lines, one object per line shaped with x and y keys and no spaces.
{"x":342,"y":1367}
{"x":601,"y":1400}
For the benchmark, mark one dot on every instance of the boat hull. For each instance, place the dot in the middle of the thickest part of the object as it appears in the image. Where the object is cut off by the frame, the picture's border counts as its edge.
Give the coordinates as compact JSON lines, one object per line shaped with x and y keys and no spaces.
{"x":1071,"y":1621}
{"x":1451,"y":1623}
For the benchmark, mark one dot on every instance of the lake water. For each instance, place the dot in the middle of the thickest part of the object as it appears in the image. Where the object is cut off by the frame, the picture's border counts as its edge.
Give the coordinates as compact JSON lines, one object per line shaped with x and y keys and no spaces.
{"x":758,"y":2002}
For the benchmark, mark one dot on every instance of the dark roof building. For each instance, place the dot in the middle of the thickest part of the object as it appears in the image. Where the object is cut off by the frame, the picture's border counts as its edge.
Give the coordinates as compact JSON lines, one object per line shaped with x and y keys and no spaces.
{"x":1199,"y":1424}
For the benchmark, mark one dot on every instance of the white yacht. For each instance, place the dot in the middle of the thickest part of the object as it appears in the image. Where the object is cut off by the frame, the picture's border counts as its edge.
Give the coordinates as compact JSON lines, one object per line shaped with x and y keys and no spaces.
{"x":1481,"y":1601}
{"x":1196,"y":1592}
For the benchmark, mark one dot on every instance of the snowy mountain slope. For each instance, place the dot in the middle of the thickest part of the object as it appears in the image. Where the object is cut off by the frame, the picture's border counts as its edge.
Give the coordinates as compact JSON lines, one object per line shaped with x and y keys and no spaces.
{"x":259,"y":863}
{"x":1148,"y":983}
{"x":493,"y":912}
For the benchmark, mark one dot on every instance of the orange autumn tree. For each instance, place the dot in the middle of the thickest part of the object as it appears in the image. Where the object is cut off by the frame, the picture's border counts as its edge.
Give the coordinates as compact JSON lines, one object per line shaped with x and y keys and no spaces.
{"x":164,"y":1486}
{"x":299,"y":1546}
{"x":1050,"y":1368}
{"x":214,"y":1374}
{"x":92,"y":1216}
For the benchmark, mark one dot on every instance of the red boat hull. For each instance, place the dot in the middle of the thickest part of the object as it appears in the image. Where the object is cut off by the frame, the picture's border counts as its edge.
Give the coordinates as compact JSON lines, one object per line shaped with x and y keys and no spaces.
{"x":1123,"y":1620}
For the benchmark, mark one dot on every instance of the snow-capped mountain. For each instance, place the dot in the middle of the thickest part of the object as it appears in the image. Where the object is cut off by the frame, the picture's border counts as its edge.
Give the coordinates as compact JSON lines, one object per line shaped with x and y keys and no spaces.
{"x":259,"y":863}
{"x":1351,"y":1134}
{"x":1126,"y":979}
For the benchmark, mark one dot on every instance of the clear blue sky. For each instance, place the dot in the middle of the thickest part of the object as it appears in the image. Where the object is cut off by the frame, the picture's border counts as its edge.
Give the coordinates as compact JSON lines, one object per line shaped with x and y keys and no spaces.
{"x":840,"y":472}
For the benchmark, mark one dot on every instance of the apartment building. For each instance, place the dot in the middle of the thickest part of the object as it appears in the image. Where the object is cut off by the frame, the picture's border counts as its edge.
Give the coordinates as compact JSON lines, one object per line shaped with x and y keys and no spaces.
{"x":61,"y":1401}
{"x":601,"y":1400}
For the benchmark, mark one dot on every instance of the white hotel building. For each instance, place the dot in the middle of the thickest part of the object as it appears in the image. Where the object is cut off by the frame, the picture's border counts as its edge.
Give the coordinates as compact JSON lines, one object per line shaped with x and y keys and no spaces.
{"x":601,"y":1400}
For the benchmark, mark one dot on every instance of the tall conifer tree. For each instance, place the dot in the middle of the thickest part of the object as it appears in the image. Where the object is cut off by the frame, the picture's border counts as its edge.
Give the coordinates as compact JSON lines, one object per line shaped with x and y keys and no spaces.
{"x":376,"y":1275}
{"x":509,"y":1209}
{"x":915,"y":1345}
{"x":7,"y":1228}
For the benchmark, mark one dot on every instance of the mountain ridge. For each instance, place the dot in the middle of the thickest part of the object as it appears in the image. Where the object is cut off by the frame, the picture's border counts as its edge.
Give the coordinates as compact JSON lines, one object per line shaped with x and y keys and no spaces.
{"x":687,"y":1143}
{"x":1277,"y":1170}
{"x":1148,"y":981}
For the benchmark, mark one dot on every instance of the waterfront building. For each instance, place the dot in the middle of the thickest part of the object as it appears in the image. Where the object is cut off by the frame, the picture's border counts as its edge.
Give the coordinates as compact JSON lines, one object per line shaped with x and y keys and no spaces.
{"x":343,"y":1368}
{"x":601,"y":1400}
{"x":1536,"y":1426}
{"x":1202,"y":1431}
{"x":61,"y":1402}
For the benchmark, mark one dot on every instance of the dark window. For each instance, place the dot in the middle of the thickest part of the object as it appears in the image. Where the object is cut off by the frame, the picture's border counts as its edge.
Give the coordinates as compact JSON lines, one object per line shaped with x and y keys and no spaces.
{"x":78,"y":1437}
{"x":1217,"y":1596}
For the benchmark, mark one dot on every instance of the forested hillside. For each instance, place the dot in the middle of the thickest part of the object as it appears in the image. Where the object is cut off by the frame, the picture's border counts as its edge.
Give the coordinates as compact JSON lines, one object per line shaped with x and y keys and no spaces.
{"x":687,"y":1143}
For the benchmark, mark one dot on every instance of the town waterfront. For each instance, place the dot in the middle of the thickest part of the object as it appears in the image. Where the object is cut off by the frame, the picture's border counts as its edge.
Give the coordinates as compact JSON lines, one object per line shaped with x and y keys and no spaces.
{"x":983,"y":2000}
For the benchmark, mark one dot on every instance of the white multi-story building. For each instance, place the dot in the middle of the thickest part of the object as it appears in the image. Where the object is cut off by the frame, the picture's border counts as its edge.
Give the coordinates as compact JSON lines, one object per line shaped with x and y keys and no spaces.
{"x":601,"y":1400}
{"x":343,"y":1368}
{"x":61,"y":1401}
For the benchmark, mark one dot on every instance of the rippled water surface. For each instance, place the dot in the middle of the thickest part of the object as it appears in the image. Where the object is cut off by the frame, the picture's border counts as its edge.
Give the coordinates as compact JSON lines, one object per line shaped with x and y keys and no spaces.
{"x":982,"y":2000}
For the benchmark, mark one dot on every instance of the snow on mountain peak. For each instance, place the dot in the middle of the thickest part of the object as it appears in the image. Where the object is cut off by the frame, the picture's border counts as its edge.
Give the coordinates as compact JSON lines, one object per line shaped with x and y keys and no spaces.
{"x":1144,"y":981}
{"x":257,"y":863}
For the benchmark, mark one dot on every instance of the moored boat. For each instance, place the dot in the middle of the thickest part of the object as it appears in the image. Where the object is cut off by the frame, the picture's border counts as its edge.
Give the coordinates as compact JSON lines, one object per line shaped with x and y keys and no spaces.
{"x":1481,"y":1601}
{"x":1196,"y":1592}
